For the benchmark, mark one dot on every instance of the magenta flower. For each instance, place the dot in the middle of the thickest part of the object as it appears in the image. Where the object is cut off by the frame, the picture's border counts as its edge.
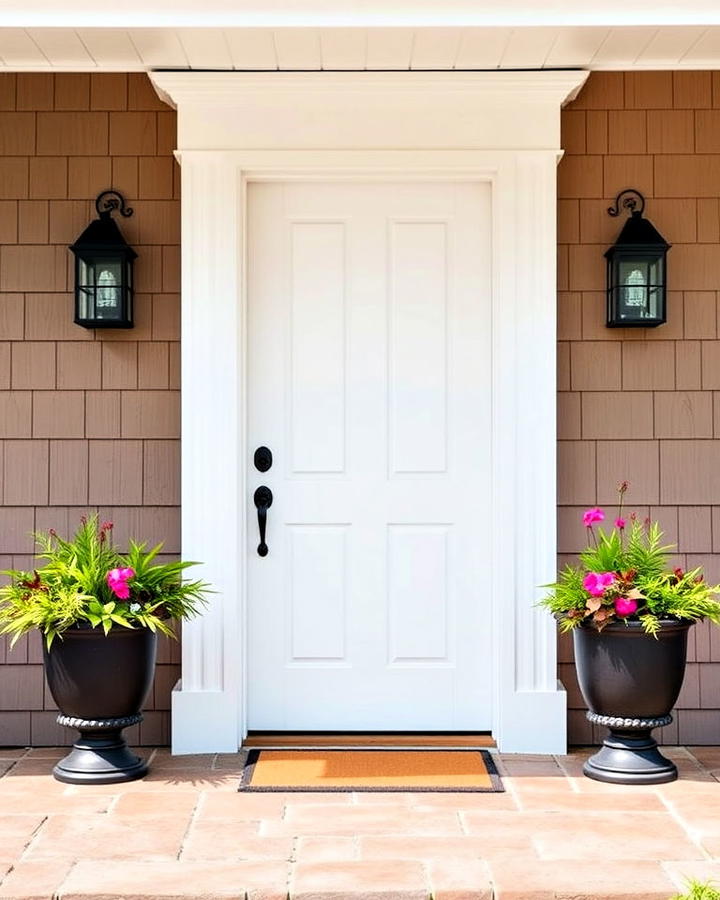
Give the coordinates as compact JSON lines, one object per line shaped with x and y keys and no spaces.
{"x":592,"y":515}
{"x":117,"y":580}
{"x":620,"y":523}
{"x":596,"y":582}
{"x":625,"y":606}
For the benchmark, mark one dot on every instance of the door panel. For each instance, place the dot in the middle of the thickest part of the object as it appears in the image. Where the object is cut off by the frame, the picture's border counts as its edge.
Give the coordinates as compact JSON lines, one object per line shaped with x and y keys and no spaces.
{"x":418,"y":347}
{"x":317,"y":347}
{"x":369,"y":379}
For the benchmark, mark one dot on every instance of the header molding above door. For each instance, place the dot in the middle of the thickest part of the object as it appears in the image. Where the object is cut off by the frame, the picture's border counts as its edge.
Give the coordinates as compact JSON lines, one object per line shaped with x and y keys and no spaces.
{"x":371,"y":110}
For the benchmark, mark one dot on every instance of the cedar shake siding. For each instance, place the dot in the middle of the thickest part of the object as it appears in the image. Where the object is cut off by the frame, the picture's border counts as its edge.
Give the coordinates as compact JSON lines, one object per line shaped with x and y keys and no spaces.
{"x":644,"y":404}
{"x":89,"y":420}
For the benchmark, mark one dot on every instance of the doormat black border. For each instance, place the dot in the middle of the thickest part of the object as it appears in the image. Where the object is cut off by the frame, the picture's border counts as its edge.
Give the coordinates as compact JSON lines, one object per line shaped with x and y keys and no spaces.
{"x":246,"y":786}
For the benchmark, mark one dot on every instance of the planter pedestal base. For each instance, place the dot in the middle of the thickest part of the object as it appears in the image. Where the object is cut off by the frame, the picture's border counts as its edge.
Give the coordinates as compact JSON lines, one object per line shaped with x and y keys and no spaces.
{"x":100,"y":755}
{"x":630,"y":754}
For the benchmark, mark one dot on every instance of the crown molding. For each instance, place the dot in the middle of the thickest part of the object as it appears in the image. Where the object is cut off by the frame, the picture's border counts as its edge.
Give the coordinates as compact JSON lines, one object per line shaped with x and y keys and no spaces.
{"x":179,"y":88}
{"x":368,"y":110}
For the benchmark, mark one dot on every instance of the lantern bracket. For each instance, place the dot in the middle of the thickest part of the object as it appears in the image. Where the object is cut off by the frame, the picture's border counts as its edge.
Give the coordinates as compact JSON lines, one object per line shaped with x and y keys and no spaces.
{"x":630,"y":202}
{"x":111,"y":201}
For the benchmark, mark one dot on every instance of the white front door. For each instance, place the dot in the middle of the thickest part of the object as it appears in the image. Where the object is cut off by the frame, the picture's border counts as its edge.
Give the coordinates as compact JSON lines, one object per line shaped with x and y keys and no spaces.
{"x":369,"y":381}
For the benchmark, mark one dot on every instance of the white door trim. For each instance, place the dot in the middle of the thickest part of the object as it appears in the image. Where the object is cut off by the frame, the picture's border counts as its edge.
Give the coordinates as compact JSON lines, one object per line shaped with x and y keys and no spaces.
{"x":209,"y":703}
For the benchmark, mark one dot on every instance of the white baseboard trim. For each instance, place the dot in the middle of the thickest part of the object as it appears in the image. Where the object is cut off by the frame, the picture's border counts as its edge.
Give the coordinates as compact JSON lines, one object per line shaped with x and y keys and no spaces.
{"x":204,"y":721}
{"x":533,"y":722}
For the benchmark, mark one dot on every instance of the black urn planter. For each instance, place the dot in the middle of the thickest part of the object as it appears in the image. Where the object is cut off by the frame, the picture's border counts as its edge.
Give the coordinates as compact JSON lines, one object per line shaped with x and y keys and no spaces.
{"x":100,"y":683}
{"x":630,"y":681}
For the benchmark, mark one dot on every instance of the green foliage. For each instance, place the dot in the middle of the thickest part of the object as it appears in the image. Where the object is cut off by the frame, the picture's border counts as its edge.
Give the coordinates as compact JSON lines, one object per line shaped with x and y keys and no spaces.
{"x":699,"y":891}
{"x":72,"y":588}
{"x":565,"y":595}
{"x":642,"y":552}
{"x":641,"y":580}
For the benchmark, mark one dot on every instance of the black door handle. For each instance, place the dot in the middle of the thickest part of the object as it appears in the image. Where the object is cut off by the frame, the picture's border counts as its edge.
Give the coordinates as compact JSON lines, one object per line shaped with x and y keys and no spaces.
{"x":263,"y":499}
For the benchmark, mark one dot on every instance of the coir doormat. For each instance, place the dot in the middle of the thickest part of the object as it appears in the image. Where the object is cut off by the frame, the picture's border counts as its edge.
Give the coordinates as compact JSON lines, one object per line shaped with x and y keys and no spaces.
{"x":370,"y":770}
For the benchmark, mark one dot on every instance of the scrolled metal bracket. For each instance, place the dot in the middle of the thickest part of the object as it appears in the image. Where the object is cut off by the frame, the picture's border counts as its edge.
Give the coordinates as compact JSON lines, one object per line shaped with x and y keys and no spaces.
{"x":630,"y":202}
{"x":112,"y":201}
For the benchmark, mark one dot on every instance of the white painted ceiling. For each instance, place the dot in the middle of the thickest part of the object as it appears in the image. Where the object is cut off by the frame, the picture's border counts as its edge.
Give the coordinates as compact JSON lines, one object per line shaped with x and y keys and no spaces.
{"x":354,"y":13}
{"x":357,"y":48}
{"x":137,"y":35}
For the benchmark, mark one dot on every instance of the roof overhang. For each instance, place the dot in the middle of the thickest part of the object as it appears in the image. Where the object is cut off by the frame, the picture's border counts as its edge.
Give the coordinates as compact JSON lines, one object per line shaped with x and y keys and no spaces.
{"x":292,"y":35}
{"x":350,"y":13}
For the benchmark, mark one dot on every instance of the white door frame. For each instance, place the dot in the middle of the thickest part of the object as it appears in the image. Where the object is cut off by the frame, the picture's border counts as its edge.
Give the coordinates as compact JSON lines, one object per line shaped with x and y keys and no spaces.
{"x":234,"y":128}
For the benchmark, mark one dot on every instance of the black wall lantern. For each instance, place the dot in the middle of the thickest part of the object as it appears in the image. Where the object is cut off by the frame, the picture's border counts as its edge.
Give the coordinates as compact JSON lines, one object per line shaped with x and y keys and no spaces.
{"x":104,"y":268}
{"x":636,"y":276}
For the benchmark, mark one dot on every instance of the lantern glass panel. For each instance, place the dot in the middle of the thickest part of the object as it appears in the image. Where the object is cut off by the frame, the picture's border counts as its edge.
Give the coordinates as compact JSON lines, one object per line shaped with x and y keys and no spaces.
{"x":639,"y":288}
{"x":108,"y":292}
{"x":634,"y":279}
{"x":100,"y":288}
{"x":85,"y":302}
{"x":86,"y":273}
{"x":654,"y":302}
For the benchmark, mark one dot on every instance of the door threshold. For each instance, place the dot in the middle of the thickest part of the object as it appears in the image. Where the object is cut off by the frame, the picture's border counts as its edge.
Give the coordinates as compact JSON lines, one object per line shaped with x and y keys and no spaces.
{"x":313,"y":739}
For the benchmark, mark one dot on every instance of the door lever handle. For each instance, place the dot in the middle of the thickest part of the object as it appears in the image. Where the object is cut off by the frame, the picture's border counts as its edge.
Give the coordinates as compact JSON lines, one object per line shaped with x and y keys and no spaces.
{"x":262,"y":499}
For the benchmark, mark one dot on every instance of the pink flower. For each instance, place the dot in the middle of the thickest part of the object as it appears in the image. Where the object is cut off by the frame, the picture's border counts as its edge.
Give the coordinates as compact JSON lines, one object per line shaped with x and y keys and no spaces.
{"x":117,"y":580}
{"x":592,"y":515}
{"x":620,"y":523}
{"x":625,"y":606}
{"x":596,"y":582}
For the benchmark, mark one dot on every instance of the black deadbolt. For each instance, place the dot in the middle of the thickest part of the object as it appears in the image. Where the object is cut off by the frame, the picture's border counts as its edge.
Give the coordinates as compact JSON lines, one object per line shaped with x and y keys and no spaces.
{"x":263,"y":459}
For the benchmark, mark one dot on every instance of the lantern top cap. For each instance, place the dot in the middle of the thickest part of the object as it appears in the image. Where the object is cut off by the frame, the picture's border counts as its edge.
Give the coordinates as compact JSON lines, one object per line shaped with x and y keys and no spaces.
{"x":637,"y":233}
{"x":103,"y":234}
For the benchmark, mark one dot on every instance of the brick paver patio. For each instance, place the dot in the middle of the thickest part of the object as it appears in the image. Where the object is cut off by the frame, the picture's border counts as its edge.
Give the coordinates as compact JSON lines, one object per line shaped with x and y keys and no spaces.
{"x":184,"y":832}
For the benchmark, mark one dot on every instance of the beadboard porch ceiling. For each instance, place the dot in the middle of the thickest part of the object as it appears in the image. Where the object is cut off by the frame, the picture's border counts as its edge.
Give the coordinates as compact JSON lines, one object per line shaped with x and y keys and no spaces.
{"x":142,"y":35}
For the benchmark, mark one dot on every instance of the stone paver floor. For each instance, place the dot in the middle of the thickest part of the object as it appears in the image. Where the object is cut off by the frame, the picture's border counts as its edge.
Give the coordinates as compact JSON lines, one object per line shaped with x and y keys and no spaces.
{"x":184,"y":832}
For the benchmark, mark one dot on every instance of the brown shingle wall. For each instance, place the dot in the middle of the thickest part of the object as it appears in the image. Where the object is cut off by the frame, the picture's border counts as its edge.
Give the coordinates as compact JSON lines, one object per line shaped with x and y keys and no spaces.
{"x":88,"y":420}
{"x":637,"y":404}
